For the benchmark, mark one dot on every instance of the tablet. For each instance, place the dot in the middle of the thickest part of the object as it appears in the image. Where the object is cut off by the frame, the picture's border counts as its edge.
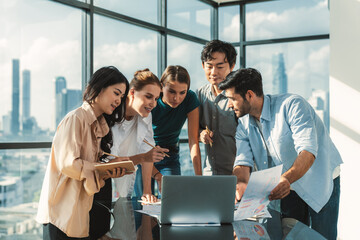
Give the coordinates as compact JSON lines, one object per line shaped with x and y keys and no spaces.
{"x":128,"y":165}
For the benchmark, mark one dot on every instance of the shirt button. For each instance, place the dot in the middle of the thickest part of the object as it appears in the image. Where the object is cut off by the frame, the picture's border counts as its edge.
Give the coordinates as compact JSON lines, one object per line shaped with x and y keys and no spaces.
{"x":264,"y":162}
{"x":214,"y":117}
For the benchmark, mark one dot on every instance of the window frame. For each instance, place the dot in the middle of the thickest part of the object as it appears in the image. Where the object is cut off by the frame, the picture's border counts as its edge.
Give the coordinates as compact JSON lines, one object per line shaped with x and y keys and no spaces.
{"x":89,"y":9}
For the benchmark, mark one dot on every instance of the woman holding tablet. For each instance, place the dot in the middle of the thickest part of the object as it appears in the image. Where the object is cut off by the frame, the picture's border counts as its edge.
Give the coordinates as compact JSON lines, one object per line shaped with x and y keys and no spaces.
{"x":71,"y":179}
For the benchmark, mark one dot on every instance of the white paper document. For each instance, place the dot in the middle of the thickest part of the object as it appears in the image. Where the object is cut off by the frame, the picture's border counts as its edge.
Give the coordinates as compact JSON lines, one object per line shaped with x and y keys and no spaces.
{"x":256,"y":196}
{"x":250,"y":230}
{"x":152,"y":210}
{"x":158,"y":202}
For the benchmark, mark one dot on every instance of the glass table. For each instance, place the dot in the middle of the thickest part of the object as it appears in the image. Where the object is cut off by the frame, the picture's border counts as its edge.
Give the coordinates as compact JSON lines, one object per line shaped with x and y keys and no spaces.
{"x":129,"y":224}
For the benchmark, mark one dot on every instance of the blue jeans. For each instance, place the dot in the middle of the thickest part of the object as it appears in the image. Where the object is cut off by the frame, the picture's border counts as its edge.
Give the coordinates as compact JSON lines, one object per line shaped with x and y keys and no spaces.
{"x":324,"y":222}
{"x":167,"y":166}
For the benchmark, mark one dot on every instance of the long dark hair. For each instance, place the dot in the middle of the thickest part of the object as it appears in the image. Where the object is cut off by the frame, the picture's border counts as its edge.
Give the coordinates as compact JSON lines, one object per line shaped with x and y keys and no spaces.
{"x":101,"y":79}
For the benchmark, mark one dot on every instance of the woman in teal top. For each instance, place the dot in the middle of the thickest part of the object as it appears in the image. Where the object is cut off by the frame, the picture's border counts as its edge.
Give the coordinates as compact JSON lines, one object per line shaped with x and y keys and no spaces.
{"x":176,"y":104}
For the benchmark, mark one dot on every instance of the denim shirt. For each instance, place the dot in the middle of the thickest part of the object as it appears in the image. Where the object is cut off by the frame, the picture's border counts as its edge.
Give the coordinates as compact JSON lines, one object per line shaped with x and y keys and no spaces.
{"x":290,"y":125}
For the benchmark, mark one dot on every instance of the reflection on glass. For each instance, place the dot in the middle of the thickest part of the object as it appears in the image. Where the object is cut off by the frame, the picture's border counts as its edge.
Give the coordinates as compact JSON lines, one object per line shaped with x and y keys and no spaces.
{"x":40,"y":41}
{"x":188,"y":16}
{"x":145,"y":10}
{"x":21,"y":178}
{"x":229,"y":23}
{"x":291,"y":18}
{"x":125,"y":46}
{"x":299,"y":67}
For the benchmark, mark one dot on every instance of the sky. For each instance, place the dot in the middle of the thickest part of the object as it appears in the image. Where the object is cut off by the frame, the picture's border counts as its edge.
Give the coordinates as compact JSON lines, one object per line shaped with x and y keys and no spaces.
{"x":307,"y":62}
{"x":46,"y":37}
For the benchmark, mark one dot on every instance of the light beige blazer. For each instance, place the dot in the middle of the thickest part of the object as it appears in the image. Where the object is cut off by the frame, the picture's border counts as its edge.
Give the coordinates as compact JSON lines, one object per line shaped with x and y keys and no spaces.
{"x":70,"y":179}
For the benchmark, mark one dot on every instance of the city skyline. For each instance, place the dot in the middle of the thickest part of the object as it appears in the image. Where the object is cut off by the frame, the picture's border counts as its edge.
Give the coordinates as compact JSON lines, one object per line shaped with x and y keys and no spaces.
{"x":57,"y":51}
{"x":15,"y":124}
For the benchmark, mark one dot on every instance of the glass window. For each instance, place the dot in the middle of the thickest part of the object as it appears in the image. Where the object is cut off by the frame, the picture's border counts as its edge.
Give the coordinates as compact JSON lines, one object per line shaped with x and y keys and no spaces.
{"x":237,"y":64}
{"x":187,"y":54}
{"x":229,"y":23}
{"x":188,"y":16}
{"x":22,"y":173}
{"x":40,"y":43}
{"x":145,"y":10}
{"x":125,"y":46}
{"x":298,"y":67}
{"x":186,"y":165}
{"x":290,"y":18}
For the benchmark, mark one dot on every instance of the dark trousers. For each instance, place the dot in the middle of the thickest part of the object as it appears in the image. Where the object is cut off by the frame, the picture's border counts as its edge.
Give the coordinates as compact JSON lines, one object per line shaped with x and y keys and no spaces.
{"x":51,"y":232}
{"x":99,"y":213}
{"x":324,"y":222}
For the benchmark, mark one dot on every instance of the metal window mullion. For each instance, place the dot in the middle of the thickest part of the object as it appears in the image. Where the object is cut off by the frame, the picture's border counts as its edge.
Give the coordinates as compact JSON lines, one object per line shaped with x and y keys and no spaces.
{"x":87,"y":44}
{"x":24,"y":145}
{"x":91,"y":39}
{"x":76,"y":4}
{"x":287,"y":40}
{"x":162,"y":37}
{"x":214,"y":23}
{"x":242,"y":53}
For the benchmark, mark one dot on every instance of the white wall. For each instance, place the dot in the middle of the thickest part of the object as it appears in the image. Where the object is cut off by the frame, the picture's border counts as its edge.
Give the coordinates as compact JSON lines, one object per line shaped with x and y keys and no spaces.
{"x":345,"y":108}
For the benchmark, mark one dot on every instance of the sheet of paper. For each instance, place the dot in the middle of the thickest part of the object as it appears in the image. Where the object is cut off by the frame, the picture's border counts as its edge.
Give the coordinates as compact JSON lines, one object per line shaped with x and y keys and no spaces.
{"x":250,"y":230}
{"x":158,"y":202}
{"x":153,"y":210}
{"x":256,"y":196}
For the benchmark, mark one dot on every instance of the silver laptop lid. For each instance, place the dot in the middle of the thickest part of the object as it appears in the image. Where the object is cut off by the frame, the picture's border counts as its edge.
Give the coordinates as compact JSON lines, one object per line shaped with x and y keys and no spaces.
{"x":197,"y":199}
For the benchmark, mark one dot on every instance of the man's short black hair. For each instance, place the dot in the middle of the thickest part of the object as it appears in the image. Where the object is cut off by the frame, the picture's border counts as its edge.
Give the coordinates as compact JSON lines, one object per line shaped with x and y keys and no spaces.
{"x":242,"y":80}
{"x":219,"y":46}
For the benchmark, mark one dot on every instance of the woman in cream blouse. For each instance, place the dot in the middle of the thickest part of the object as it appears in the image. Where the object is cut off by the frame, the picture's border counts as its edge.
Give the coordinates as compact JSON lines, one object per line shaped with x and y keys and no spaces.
{"x":71,"y":180}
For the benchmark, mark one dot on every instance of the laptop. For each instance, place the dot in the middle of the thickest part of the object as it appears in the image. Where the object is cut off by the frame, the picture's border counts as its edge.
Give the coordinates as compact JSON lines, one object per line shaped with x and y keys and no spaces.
{"x":197,"y":199}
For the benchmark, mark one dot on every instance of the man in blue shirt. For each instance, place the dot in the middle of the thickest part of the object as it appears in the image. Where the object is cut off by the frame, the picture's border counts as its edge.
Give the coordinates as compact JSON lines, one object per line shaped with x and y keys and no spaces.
{"x":284,"y":129}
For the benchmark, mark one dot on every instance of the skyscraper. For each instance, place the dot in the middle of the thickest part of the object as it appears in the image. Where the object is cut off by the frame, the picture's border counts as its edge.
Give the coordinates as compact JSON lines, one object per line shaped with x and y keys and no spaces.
{"x":279,"y":83}
{"x":319,"y":100}
{"x":6,"y":122}
{"x":73,"y":99}
{"x":65,"y":99}
{"x":26,"y":94}
{"x":60,"y":87}
{"x":15,"y":124}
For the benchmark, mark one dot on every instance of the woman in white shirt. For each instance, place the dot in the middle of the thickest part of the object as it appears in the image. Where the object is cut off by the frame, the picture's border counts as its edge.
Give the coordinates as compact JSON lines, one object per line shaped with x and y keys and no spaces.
{"x":129,"y":135}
